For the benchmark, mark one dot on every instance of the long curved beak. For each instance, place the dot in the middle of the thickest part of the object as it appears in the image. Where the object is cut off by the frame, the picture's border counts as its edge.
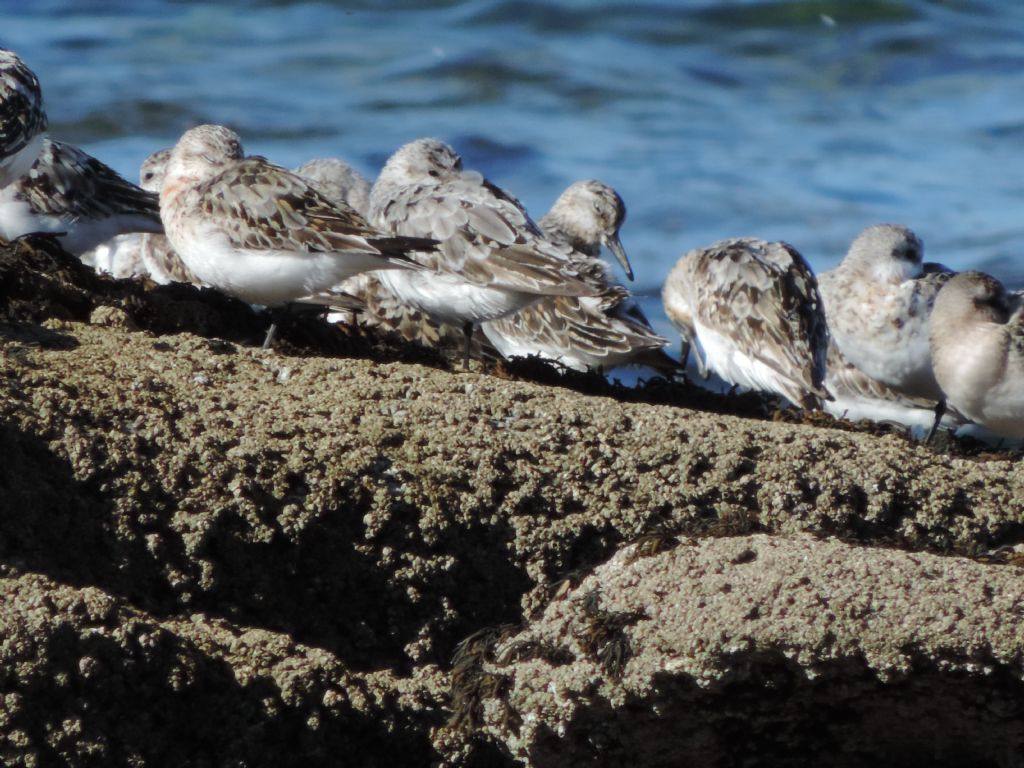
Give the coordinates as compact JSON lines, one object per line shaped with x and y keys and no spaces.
{"x":612,"y":241}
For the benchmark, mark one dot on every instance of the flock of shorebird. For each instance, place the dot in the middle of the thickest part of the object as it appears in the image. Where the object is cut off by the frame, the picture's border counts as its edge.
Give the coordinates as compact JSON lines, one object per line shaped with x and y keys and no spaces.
{"x":439,"y":253}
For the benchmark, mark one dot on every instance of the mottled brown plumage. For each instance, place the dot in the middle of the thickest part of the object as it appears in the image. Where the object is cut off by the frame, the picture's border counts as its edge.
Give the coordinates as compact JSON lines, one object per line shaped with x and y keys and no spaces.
{"x":22,"y":117}
{"x":261,"y":233}
{"x":601,"y":331}
{"x":69,"y":192}
{"x":753,"y":310}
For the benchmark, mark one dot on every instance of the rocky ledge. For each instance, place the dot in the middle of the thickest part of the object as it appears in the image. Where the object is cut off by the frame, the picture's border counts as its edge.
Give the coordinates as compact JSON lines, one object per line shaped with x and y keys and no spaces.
{"x":346,"y":551}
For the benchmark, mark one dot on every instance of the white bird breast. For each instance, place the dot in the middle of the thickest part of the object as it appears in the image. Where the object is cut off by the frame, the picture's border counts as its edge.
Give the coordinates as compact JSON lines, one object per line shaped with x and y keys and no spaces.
{"x":267,"y":277}
{"x":734,"y":365}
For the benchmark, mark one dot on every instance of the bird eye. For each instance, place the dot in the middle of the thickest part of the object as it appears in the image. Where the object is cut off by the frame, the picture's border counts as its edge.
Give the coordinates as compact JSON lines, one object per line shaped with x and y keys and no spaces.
{"x":905,"y":253}
{"x":995,"y":301}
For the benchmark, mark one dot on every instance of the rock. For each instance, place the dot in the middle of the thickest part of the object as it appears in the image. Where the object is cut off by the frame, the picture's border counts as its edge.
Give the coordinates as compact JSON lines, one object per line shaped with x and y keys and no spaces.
{"x":309,"y":549}
{"x":90,"y":681}
{"x":766,"y":647}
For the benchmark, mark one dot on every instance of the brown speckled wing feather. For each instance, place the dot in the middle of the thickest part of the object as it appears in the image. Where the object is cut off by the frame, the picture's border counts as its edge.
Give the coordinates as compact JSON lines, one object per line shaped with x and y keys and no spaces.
{"x":379,"y":308}
{"x":487,"y":237}
{"x":264,"y":207}
{"x":21,"y":114}
{"x":584,"y":324}
{"x":766,"y":296}
{"x":66,"y":181}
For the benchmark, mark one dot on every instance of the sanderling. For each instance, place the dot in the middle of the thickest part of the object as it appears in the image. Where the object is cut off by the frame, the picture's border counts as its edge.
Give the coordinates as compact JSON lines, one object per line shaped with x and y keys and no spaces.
{"x":493,"y":259}
{"x":259,"y":232}
{"x":587,"y":215}
{"x":74,"y":195}
{"x":977,"y":344}
{"x":22,"y":117}
{"x":753,"y":313}
{"x":878,"y":302}
{"x":337,"y":180}
{"x":581,"y":332}
{"x":160,"y":261}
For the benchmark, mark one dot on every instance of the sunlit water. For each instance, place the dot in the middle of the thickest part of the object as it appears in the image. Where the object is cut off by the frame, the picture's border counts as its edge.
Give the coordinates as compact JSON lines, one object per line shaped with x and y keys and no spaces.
{"x":803,"y":121}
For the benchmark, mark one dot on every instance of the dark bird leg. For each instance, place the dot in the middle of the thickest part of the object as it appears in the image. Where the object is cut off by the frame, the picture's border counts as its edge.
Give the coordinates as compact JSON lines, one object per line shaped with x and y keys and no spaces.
{"x":940,"y":411}
{"x":467,"y":330}
{"x":684,"y":353}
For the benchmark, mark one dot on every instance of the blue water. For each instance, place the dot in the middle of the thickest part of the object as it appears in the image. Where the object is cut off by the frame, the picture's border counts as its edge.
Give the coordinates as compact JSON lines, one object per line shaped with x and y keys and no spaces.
{"x":802,"y":121}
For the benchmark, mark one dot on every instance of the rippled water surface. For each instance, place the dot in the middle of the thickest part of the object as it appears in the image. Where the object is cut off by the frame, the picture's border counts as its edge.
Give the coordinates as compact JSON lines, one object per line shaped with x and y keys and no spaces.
{"x":803,"y":121}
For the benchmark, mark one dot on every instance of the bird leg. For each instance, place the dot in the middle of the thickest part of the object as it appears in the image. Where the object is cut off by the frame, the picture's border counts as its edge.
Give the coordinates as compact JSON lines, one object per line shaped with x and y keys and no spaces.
{"x":702,"y":367}
{"x":940,"y":411}
{"x":277,"y":315}
{"x":467,"y":330}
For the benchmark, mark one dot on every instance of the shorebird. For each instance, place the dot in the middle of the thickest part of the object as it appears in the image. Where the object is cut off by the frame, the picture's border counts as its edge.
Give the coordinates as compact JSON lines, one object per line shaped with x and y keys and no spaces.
{"x":586,"y":216}
{"x":584,"y":332}
{"x":261,"y":233}
{"x":878,"y":302}
{"x":977,"y":345}
{"x":159,"y":259}
{"x":75,"y":196}
{"x":492,"y":260}
{"x":752,"y":311}
{"x":49,"y":186}
{"x":363,"y":298}
{"x":22,"y":117}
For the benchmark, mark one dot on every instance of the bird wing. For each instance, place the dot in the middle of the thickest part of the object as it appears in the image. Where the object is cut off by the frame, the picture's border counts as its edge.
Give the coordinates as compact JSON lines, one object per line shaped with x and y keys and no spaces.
{"x":260,"y":206}
{"x":486,"y":236}
{"x":578,"y":324}
{"x":21,"y":114}
{"x":765,"y":297}
{"x":67,"y":182}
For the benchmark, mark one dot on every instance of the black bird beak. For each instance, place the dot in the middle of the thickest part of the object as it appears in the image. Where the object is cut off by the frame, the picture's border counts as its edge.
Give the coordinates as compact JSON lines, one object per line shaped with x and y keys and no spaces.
{"x":612,"y":241}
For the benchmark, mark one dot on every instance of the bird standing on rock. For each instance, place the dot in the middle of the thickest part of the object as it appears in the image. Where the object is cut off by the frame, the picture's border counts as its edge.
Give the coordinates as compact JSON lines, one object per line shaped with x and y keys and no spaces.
{"x":977,"y":346}
{"x":492,"y":260}
{"x":49,"y":186}
{"x":752,"y":311}
{"x":261,"y":233}
{"x":878,"y":302}
{"x":596,"y":332}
